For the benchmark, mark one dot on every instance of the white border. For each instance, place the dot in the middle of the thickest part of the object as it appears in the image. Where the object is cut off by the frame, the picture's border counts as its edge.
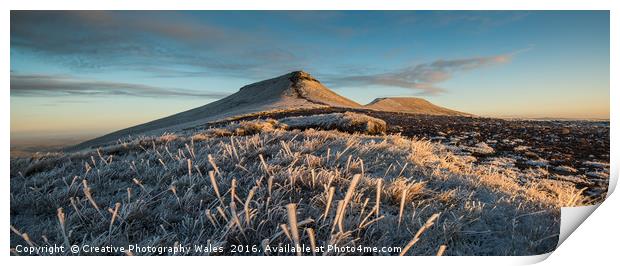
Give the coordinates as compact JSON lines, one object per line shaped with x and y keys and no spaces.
{"x":573,"y":251}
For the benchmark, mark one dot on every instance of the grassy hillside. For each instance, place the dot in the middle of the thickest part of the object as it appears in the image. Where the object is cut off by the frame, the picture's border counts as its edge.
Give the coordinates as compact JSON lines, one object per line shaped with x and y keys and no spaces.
{"x":253,"y":183}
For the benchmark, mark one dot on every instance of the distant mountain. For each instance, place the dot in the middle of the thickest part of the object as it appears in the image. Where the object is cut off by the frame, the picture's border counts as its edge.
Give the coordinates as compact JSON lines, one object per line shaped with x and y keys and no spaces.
{"x":291,"y":91}
{"x":295,"y":90}
{"x":411,"y":105}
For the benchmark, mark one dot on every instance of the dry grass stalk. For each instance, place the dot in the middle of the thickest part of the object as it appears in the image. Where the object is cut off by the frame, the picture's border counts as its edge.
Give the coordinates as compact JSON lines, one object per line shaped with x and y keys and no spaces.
{"x":312,"y":238}
{"x":189,"y":167}
{"x":363,"y":209}
{"x":292,"y":221}
{"x":163,"y":164}
{"x":235,"y":217}
{"x":215,"y":188}
{"x":402,"y":205}
{"x":269,"y":185}
{"x":286,"y":149}
{"x":212,"y":162}
{"x":174,"y":192}
{"x":361,"y":162}
{"x":441,"y":250}
{"x":403,"y":170}
{"x":234,"y":150}
{"x":246,"y":206}
{"x":233,"y":187}
{"x":62,"y":223}
{"x":26,"y":238}
{"x":46,"y":240}
{"x":327,"y":155}
{"x":90,"y":198}
{"x":347,"y":198}
{"x":330,"y":196}
{"x":14,"y":230}
{"x":210,"y":217}
{"x":222,"y":213}
{"x":417,"y":235}
{"x":313,"y":174}
{"x":139,"y":183}
{"x":365,"y":224}
{"x":363,"y":221}
{"x":74,"y":205}
{"x":337,"y":217}
{"x":292,"y":180}
{"x":264,"y":164}
{"x":348,"y":164}
{"x":198,"y":170}
{"x":101,"y":157}
{"x":168,"y":152}
{"x":87,"y":167}
{"x":191,"y":150}
{"x":378,"y":200}
{"x":285,"y":231}
{"x":114,"y":214}
{"x":387,"y":170}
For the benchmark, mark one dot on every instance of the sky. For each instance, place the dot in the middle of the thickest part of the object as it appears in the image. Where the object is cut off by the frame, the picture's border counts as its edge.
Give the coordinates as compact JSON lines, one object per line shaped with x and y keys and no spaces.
{"x":94,"y":72}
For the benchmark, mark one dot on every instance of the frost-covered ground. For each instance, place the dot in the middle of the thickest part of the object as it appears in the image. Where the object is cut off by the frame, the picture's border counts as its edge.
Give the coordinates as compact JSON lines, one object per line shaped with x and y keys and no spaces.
{"x":263,"y":183}
{"x":564,"y":150}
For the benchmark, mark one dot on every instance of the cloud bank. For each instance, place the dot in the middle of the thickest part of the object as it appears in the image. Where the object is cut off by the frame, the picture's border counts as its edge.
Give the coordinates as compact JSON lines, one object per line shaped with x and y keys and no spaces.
{"x":182,"y":44}
{"x":422,"y":77}
{"x":48,"y":85}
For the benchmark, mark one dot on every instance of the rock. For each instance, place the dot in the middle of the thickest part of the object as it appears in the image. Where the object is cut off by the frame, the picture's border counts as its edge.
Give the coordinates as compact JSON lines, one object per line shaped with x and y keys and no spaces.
{"x":346,"y":122}
{"x":480,"y":148}
{"x":565,"y":169}
{"x":521,"y":148}
{"x":598,"y":175}
{"x":538,"y":163}
{"x":595,"y":164}
{"x":532,"y":155}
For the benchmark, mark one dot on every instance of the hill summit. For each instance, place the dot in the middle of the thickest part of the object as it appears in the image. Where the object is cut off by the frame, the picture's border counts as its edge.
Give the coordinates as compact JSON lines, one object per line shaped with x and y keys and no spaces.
{"x":292,"y":91}
{"x":411,"y":105}
{"x":295,"y":90}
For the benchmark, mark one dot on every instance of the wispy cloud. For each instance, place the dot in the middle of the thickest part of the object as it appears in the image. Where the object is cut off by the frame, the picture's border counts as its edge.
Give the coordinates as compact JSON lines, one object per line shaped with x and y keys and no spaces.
{"x":477,"y":21}
{"x":423,"y":78}
{"x":48,"y":85}
{"x":96,"y":40}
{"x":187,"y":44}
{"x":179,"y":44}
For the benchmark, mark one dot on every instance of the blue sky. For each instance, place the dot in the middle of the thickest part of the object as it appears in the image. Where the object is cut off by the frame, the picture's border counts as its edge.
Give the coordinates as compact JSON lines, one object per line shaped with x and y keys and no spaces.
{"x":97,"y":71}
